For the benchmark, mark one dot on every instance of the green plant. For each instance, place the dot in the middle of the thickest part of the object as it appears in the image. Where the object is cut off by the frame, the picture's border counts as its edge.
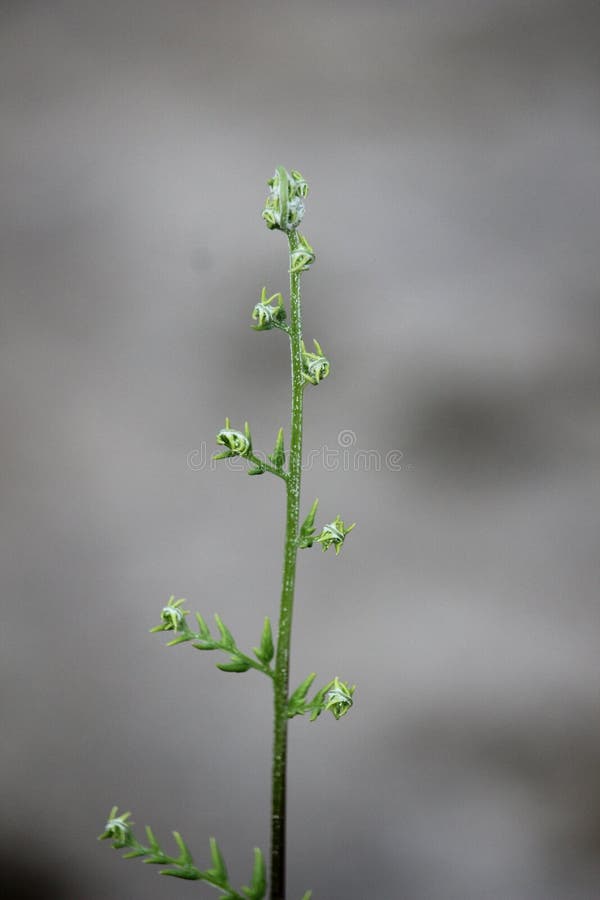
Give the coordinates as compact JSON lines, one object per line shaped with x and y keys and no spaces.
{"x":283,"y":210}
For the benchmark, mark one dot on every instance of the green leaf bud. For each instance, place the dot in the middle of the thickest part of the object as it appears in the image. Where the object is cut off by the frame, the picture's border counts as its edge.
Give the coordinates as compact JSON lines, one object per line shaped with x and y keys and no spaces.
{"x":338,"y":700}
{"x":284,"y":207}
{"x":237,"y":444}
{"x":118,"y":829}
{"x":300,"y":185}
{"x":315,"y":366}
{"x":334,"y":534}
{"x":266,"y":315}
{"x":172,"y":616}
{"x":302,"y":258}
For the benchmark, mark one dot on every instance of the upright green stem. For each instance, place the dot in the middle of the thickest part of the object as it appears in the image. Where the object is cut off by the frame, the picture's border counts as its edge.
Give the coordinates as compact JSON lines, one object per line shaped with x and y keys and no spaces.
{"x":282,"y":660}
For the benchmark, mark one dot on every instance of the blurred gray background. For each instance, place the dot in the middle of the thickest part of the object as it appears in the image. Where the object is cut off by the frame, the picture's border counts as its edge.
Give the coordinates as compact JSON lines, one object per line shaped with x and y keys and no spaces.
{"x":452,"y":149}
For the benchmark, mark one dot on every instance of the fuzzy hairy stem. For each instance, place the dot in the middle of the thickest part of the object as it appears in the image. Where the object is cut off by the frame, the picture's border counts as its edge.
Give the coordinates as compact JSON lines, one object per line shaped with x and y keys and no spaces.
{"x":282,"y":660}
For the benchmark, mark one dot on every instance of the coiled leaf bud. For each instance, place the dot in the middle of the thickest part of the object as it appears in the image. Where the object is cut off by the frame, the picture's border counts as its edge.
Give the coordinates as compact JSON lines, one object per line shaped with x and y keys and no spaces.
{"x":266,"y":315}
{"x":302,"y":258}
{"x":315,"y":366}
{"x":118,"y":829}
{"x":338,"y":700}
{"x":284,"y":207}
{"x":236,"y":443}
{"x":334,"y":534}
{"x":172,"y":617}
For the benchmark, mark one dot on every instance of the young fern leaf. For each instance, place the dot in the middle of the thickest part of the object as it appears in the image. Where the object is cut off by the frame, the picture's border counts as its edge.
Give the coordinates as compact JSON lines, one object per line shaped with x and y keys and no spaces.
{"x":258,"y":885}
{"x":266,"y":651}
{"x":173,"y":619}
{"x":219,"y":870}
{"x":119,"y":830}
{"x":186,"y":857}
{"x":277,"y":457}
{"x":296,"y":701}
{"x":226,"y":636}
{"x":133,"y":853}
{"x":180,"y":873}
{"x":284,"y":210}
{"x":151,"y":839}
{"x":236,"y":665}
{"x":203,"y":627}
{"x":307,"y":529}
